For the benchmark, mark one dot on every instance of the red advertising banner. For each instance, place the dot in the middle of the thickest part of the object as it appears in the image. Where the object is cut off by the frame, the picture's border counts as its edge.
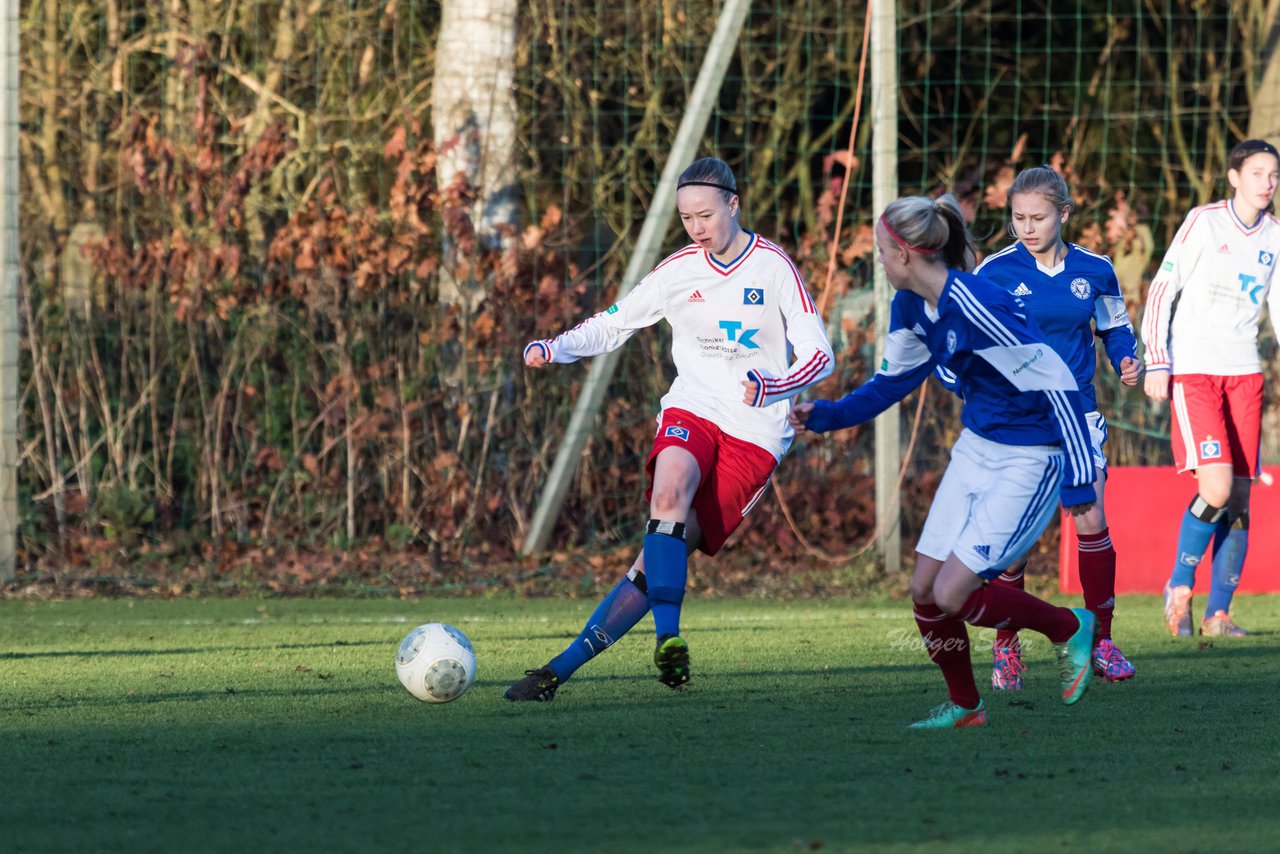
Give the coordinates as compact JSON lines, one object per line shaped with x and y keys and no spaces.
{"x":1144,"y":508}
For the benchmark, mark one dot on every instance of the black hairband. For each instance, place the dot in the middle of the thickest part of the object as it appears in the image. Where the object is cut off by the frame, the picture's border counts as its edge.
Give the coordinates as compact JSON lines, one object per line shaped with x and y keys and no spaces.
{"x":684,"y":184}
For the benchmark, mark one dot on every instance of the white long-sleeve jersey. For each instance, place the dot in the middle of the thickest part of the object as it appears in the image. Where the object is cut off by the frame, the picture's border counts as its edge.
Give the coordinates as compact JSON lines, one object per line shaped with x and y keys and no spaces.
{"x":1219,"y":271}
{"x":751,"y":318}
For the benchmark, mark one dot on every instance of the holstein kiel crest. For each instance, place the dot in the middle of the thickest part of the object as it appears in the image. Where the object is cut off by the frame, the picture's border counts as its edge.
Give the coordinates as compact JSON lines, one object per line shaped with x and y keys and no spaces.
{"x":1080,"y":287}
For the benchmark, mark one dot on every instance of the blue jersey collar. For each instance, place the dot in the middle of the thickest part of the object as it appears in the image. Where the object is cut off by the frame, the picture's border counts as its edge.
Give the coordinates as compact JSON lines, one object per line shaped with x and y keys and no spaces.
{"x":751,"y":241}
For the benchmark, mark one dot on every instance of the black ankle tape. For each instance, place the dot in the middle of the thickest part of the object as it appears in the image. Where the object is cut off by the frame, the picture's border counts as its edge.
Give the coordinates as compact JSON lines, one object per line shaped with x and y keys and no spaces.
{"x":671,"y":529}
{"x":1204,"y":511}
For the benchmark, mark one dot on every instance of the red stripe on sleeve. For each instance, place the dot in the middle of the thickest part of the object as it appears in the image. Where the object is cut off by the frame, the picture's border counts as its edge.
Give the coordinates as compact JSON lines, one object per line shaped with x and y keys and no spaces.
{"x":801,"y":377}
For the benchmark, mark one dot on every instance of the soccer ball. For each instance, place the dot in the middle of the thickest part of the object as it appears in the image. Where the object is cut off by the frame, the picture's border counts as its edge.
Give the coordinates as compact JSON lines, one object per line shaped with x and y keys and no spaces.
{"x":436,"y":663}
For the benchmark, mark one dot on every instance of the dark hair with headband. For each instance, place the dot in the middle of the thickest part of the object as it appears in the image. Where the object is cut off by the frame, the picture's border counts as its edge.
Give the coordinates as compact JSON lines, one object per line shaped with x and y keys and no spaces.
{"x":1247,"y":149}
{"x":931,"y":229}
{"x":710,"y":172}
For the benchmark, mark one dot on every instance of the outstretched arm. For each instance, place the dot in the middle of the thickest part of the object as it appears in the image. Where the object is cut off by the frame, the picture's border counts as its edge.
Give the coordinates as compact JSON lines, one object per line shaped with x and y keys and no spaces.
{"x":907,"y":363}
{"x":860,"y":405}
{"x":601,"y":332}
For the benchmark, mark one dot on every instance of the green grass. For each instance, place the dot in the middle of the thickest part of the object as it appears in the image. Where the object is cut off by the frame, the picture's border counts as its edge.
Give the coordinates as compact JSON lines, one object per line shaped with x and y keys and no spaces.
{"x":279,"y":725}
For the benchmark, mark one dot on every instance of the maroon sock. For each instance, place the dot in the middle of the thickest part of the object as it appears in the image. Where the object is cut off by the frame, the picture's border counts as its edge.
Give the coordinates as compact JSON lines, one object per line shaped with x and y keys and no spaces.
{"x":1013,"y":577}
{"x":946,"y":639}
{"x":1098,"y":578}
{"x":1008,"y":608}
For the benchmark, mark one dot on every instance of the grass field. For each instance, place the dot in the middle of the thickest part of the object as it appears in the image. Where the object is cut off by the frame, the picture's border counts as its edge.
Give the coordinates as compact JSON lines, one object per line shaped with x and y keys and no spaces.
{"x":236,"y":725}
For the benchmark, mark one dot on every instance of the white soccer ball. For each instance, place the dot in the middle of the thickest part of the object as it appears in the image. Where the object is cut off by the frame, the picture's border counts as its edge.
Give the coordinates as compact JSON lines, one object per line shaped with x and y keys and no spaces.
{"x":436,"y":663}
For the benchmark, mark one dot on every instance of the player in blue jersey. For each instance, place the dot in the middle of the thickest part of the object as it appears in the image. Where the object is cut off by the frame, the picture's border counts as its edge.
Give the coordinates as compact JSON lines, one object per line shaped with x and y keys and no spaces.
{"x":1025,"y":445}
{"x":1071,"y":293}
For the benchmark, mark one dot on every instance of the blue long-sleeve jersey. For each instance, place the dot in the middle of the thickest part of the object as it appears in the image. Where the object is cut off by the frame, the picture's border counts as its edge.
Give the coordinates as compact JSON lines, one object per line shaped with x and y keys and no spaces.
{"x":1017,"y":390}
{"x":1069,"y":303}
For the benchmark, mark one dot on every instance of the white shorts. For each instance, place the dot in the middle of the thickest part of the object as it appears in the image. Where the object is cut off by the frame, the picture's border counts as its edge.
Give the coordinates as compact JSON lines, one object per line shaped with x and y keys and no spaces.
{"x":1097,"y":437}
{"x":994,"y":502}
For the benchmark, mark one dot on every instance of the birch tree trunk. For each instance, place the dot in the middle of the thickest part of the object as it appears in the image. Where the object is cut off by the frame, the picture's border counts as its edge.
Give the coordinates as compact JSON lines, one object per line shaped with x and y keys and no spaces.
{"x":1264,"y":113}
{"x":474,"y":122}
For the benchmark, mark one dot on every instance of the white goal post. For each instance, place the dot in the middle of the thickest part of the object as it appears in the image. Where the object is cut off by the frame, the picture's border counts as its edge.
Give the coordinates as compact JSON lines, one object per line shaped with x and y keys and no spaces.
{"x":9,"y":294}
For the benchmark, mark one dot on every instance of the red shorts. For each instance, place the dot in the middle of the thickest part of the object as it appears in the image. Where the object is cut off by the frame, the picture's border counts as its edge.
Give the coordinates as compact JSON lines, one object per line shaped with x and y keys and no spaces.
{"x":735,"y":473}
{"x":1217,"y":421}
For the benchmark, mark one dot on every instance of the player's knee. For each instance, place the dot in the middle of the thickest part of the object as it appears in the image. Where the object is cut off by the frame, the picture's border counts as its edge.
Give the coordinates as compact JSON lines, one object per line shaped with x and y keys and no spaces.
{"x":669,"y":501}
{"x":950,"y":600}
{"x":921,"y":589}
{"x":1213,"y":492}
{"x":1092,"y":522}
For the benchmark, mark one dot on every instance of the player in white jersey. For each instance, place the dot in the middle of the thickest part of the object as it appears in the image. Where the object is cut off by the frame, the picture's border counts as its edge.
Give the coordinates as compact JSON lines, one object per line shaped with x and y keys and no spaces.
{"x":1072,"y":294}
{"x":1025,"y":446}
{"x":746,"y":338}
{"x":1200,"y":329}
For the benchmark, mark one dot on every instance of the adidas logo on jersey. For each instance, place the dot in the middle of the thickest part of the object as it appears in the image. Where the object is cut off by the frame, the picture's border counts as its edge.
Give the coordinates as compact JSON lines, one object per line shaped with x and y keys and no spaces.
{"x":1022,"y":290}
{"x":984,"y":552}
{"x":696,"y":296}
{"x":919,"y":330}
{"x":1224,"y":249}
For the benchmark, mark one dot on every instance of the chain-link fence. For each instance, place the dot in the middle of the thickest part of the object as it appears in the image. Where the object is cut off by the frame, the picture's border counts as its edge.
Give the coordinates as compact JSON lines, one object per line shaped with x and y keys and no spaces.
{"x":259,"y":308}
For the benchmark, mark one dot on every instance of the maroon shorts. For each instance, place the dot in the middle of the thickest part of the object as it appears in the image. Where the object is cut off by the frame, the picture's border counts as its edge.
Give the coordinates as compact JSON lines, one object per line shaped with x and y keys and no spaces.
{"x":1217,"y":421}
{"x":735,"y":473}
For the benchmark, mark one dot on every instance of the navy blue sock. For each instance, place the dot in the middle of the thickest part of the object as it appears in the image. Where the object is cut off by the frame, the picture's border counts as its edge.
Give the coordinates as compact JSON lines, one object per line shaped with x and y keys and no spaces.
{"x":1198,"y":524}
{"x":1220,"y":532}
{"x":666,"y":566}
{"x":1228,"y":563}
{"x":612,"y":618}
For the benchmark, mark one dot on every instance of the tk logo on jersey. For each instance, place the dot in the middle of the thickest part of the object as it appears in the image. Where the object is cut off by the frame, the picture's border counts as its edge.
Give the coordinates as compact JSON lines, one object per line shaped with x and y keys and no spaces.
{"x":734,"y":332}
{"x":680,"y":433}
{"x":1247,"y":286}
{"x":1080,"y":287}
{"x":752,"y":296}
